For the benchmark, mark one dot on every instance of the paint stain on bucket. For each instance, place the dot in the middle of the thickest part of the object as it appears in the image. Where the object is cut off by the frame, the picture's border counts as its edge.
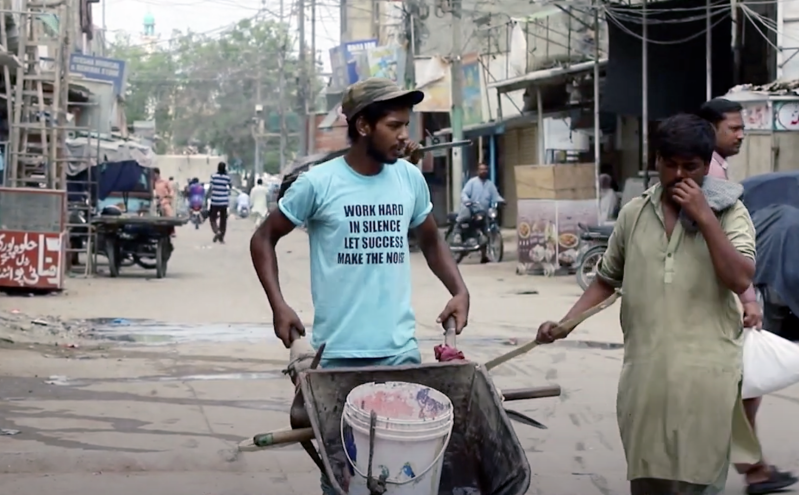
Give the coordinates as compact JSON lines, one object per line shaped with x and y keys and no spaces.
{"x":352,"y":450}
{"x":393,"y":404}
{"x":402,"y":404}
{"x":429,"y":408}
{"x":407,"y":471}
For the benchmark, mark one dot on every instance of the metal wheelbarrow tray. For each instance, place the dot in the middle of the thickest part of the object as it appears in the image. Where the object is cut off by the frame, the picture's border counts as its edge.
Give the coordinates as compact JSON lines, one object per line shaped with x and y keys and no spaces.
{"x":484,"y":456}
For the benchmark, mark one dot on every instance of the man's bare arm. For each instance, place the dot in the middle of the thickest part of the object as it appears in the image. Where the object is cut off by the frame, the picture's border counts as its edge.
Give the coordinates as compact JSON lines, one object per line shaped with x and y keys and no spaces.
{"x":748,"y":296}
{"x":439,"y":258}
{"x":264,"y":257}
{"x":598,"y":291}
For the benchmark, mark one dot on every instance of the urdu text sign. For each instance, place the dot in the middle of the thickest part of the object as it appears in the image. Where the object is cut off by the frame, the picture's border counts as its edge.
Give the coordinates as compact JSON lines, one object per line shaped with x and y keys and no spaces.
{"x":100,"y":69}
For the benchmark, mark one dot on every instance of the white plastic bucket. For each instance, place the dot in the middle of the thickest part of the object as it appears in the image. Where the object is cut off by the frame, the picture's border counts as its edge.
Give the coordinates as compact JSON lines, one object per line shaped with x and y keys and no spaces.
{"x":412,"y":431}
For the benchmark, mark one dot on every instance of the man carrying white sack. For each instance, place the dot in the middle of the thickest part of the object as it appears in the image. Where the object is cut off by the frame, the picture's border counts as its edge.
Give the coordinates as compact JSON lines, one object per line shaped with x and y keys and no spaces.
{"x":727,"y":120}
{"x":680,"y":253}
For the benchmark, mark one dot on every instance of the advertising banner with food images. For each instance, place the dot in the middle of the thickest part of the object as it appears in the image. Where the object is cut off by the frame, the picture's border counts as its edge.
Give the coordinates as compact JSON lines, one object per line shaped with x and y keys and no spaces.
{"x":537,"y":232}
{"x":549,"y":234}
{"x":570,"y":214}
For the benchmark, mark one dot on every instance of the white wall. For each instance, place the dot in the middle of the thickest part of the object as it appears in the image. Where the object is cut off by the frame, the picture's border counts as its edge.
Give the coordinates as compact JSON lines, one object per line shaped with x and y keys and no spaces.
{"x":184,"y":167}
{"x":788,"y":39}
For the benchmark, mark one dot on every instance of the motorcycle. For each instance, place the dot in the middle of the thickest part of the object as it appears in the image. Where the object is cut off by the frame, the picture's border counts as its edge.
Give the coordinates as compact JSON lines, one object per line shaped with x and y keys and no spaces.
{"x":593,"y":246}
{"x":78,"y":230}
{"x":479,"y":233}
{"x":196,"y":216}
{"x":244,"y":212}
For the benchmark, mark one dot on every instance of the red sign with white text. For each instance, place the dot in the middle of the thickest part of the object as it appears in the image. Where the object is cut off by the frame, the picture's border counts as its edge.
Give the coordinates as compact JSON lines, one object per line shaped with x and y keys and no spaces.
{"x":31,"y":260}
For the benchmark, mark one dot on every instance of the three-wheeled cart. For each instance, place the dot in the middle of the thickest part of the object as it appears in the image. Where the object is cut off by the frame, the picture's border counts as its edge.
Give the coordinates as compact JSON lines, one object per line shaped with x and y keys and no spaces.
{"x":140,"y":239}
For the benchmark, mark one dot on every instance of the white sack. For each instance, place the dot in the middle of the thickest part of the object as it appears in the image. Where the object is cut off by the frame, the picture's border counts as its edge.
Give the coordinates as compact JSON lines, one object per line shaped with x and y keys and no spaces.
{"x":771,"y":363}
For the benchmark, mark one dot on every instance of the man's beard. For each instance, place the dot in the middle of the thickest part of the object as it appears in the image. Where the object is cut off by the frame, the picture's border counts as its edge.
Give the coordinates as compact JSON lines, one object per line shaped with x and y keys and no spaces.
{"x":376,"y":155}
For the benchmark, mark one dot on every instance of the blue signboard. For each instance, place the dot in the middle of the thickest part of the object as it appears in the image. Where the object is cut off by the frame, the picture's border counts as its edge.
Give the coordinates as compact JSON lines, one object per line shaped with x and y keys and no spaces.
{"x":348,"y":62}
{"x":100,"y":69}
{"x":354,"y":53}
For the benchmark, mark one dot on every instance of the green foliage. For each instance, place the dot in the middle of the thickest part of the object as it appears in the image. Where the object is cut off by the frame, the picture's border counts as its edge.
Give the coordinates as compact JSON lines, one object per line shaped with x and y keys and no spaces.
{"x":201,"y":90}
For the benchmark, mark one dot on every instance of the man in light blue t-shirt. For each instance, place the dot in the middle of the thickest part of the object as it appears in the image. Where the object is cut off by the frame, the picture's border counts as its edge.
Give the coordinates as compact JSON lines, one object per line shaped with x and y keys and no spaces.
{"x":358,"y":209}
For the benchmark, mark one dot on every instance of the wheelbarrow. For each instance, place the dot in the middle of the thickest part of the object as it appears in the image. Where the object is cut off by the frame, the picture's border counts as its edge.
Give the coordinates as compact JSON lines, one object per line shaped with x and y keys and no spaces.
{"x":483,"y":456}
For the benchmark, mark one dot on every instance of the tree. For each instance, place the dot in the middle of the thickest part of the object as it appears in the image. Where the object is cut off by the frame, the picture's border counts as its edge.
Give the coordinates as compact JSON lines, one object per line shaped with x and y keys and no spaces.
{"x":202,"y":90}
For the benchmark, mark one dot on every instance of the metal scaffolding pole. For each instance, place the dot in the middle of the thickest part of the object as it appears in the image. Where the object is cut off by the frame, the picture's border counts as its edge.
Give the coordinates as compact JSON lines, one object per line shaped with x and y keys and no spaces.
{"x":645,"y":94}
{"x":597,"y":128}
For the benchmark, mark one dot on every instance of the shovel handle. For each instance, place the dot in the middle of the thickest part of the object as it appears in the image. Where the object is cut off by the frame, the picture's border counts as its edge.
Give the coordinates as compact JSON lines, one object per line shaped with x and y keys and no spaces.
{"x":282,"y":437}
{"x":449,"y":332}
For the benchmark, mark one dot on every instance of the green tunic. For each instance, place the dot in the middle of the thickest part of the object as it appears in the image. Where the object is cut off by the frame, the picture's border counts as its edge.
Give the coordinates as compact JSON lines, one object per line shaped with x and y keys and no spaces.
{"x":679,"y":406}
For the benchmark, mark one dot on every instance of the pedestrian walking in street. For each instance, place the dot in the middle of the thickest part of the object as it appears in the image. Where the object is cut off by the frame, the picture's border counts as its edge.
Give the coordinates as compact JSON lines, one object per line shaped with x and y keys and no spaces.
{"x":680,"y":253}
{"x":219,"y":190}
{"x":163,"y":193}
{"x":358,"y":209}
{"x":727,"y":119}
{"x":259,"y":202}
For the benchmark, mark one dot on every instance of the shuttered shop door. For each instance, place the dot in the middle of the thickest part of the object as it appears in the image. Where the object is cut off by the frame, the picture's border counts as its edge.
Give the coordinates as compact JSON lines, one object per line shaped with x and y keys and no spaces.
{"x":520,"y":147}
{"x":510,"y":155}
{"x":528,"y":145}
{"x":510,"y":146}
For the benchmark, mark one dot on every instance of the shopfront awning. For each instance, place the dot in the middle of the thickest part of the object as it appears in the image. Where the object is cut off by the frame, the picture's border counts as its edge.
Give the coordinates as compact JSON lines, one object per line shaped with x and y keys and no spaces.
{"x":546,"y":76}
{"x":476,"y":130}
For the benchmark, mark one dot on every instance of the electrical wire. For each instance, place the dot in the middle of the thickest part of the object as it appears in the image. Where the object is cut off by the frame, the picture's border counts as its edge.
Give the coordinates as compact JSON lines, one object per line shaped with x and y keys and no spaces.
{"x":652,"y":8}
{"x":770,"y":24}
{"x":612,"y":18}
{"x":651,"y":20}
{"x":748,"y":15}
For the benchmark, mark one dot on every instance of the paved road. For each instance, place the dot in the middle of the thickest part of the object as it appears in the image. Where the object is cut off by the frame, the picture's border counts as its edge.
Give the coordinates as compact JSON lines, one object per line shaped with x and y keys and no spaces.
{"x":159,"y":410}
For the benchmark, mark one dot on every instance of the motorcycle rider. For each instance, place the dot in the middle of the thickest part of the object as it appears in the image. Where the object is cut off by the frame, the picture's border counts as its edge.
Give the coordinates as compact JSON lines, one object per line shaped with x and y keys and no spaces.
{"x":196,"y":194}
{"x":479,"y":191}
{"x":242,"y":203}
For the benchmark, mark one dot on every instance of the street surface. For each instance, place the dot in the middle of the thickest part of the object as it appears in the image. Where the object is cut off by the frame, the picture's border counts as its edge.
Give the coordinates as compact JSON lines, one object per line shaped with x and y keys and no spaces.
{"x":191,"y":367}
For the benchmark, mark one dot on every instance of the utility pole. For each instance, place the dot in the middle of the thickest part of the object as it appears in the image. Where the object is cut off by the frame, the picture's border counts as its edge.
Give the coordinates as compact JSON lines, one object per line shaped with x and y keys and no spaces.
{"x":456,"y":114}
{"x":310,"y":81}
{"x":281,"y":61}
{"x":258,"y":168}
{"x":105,"y":32}
{"x":302,"y":87}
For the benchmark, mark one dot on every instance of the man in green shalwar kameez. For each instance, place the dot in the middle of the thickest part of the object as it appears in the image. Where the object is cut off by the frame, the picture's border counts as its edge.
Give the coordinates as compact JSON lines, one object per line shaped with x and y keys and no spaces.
{"x":680,"y":253}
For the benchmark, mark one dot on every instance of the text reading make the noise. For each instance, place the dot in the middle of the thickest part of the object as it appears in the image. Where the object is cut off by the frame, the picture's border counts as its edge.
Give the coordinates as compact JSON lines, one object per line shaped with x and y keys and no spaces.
{"x":384,"y":238}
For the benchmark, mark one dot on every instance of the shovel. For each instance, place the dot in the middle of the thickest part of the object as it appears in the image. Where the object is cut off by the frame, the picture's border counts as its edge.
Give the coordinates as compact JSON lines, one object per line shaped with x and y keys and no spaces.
{"x":561,"y":331}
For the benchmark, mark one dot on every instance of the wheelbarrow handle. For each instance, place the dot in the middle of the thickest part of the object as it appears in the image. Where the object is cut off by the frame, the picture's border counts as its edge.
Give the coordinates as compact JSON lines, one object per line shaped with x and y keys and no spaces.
{"x":531,"y":393}
{"x":449,"y":333}
{"x":294,"y":334}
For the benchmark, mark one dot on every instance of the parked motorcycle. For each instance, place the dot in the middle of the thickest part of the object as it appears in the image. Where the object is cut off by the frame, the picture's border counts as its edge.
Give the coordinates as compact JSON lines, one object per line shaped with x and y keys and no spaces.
{"x":78,"y":231}
{"x":593,"y":246}
{"x":479,"y":233}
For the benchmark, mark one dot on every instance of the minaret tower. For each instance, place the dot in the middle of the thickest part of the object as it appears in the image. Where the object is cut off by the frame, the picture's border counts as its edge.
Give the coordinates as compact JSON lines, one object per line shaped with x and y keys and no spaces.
{"x":148,"y":36}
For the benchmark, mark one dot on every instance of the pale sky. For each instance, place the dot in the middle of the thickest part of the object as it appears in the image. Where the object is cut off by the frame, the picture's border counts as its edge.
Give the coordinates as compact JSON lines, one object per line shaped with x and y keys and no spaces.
{"x":211,"y":16}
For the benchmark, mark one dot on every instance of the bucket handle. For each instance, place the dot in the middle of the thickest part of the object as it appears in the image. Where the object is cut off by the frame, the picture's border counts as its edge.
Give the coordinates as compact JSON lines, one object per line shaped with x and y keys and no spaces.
{"x":398,"y":483}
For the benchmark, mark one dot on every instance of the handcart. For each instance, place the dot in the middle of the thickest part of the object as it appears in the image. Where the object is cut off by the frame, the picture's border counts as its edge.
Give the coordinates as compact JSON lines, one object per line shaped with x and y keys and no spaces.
{"x":145,"y":240}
